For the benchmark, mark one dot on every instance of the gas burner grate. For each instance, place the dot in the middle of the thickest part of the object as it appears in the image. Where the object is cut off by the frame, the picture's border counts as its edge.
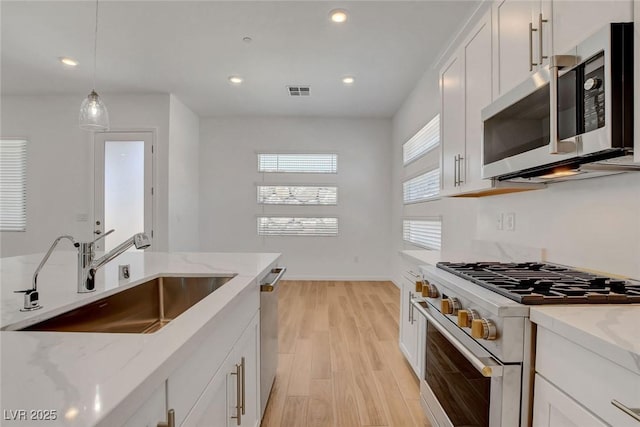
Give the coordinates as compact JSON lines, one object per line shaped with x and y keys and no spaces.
{"x":538,"y":283}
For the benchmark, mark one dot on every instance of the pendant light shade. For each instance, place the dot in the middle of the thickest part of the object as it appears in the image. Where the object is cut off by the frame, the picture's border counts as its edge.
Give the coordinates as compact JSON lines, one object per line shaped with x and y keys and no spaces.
{"x":93,"y":113}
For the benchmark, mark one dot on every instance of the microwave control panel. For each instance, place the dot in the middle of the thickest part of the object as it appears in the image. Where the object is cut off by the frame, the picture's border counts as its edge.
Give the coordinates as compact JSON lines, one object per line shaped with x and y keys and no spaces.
{"x":594,"y":108}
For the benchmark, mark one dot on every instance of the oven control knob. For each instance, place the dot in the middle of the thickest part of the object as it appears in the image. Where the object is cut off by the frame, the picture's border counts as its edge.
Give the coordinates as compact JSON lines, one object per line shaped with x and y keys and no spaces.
{"x":592,"y":83}
{"x":465,"y":318}
{"x":483,"y":329}
{"x":429,"y":290}
{"x":419,"y":286}
{"x":450,"y":306}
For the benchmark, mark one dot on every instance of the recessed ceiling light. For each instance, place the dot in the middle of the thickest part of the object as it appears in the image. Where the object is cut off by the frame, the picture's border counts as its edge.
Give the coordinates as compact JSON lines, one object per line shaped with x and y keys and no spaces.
{"x":68,"y":61}
{"x":348,"y":80}
{"x":236,"y":80}
{"x":247,"y":39}
{"x":338,"y":15}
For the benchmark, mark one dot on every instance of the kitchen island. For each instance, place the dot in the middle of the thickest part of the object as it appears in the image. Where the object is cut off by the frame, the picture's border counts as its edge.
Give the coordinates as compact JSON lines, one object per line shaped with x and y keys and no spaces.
{"x":109,"y":379}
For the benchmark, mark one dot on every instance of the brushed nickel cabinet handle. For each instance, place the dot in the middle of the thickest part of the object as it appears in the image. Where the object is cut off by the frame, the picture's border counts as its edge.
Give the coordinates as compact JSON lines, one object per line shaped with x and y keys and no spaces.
{"x":632,"y":412}
{"x":243,"y":384}
{"x":531,"y":30}
{"x":541,"y":21}
{"x":460,"y":180}
{"x":171,"y":419}
{"x":238,"y":374}
{"x":455,"y":171}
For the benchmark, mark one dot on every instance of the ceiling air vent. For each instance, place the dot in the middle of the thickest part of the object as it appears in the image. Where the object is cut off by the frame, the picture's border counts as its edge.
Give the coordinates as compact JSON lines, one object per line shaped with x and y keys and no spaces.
{"x":299,"y":90}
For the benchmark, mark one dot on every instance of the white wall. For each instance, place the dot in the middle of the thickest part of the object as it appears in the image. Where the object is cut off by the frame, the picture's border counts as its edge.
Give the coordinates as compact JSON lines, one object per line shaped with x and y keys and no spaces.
{"x":60,"y":163}
{"x":228,"y":208}
{"x":594,"y":223}
{"x":184,"y":146}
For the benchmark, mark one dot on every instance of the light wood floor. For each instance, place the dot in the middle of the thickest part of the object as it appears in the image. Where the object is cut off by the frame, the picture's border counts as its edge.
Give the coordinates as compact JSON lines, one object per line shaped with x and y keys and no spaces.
{"x":339,"y":362}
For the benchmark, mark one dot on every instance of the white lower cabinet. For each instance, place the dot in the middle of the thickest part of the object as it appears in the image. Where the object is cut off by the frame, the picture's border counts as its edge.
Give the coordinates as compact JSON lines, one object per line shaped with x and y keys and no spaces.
{"x":152,"y":411}
{"x":231,"y":398}
{"x":577,"y":387}
{"x":409,"y":334}
{"x":553,"y":408}
{"x":202,"y":389}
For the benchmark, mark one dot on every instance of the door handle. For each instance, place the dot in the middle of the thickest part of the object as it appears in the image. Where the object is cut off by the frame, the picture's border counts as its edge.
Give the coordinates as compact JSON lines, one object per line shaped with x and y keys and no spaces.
{"x":541,"y":21}
{"x":460,"y":159}
{"x":455,"y":171}
{"x":242,"y":365}
{"x":238,"y":374}
{"x":531,"y":30}
{"x":632,"y":412}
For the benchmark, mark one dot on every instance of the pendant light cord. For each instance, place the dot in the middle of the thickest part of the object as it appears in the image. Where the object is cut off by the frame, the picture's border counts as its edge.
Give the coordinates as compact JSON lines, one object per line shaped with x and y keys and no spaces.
{"x":95,"y":48}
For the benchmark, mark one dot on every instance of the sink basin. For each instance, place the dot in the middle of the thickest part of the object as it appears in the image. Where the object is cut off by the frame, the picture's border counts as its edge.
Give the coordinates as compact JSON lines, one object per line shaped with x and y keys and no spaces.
{"x":142,"y":309}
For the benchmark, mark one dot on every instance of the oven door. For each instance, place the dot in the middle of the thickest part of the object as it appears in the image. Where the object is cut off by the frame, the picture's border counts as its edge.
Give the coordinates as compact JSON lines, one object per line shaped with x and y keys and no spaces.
{"x":463,"y":384}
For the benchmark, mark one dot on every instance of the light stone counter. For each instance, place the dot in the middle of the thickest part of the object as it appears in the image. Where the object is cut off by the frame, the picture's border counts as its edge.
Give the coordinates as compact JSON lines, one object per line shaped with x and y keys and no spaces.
{"x":89,"y":377}
{"x":611,"y":331}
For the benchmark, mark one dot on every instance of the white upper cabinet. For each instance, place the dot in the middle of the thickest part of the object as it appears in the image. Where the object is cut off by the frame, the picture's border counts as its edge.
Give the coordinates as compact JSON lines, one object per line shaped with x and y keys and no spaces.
{"x":452,"y":121}
{"x":527,"y":33}
{"x":573,"y":21}
{"x":477,"y":89}
{"x":465,"y":89}
{"x":517,"y":38}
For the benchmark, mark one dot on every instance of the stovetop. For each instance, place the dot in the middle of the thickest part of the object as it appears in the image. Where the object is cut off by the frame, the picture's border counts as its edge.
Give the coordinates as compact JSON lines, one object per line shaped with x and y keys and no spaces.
{"x":538,"y":283}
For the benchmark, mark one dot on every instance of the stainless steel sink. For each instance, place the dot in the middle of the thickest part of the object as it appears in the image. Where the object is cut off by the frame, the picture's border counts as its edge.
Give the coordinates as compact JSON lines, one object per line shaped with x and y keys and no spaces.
{"x":142,"y":309}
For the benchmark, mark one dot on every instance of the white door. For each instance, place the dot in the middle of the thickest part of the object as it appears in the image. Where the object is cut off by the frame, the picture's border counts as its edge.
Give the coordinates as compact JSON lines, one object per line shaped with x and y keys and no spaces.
{"x":123,"y":186}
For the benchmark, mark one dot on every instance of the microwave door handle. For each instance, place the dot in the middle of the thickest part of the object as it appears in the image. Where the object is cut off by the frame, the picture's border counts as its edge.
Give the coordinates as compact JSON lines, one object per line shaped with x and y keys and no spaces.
{"x":555,"y":145}
{"x":487,"y":366}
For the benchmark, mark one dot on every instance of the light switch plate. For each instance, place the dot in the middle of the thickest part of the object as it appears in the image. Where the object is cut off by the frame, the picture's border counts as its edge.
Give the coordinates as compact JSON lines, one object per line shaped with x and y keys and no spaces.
{"x":510,"y":221}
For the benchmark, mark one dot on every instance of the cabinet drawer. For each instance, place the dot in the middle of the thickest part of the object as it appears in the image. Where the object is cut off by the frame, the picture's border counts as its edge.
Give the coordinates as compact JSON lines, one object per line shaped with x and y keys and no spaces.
{"x":553,"y":408}
{"x":187,"y":382}
{"x":588,"y":378}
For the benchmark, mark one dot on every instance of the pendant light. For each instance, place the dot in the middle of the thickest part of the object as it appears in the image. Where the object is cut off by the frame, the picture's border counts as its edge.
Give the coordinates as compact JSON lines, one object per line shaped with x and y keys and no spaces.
{"x":93,"y":113}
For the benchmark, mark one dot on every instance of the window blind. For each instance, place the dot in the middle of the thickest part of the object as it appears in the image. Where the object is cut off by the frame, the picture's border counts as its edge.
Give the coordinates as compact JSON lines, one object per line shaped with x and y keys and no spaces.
{"x":297,"y":195}
{"x":426,"y":233}
{"x":425,"y":140}
{"x":298,"y":163}
{"x":422,"y":187}
{"x":298,"y":226}
{"x":13,"y":185}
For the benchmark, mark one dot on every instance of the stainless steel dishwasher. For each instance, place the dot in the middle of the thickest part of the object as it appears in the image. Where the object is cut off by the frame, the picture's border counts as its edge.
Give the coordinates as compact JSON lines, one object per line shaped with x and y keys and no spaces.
{"x":269,"y":291}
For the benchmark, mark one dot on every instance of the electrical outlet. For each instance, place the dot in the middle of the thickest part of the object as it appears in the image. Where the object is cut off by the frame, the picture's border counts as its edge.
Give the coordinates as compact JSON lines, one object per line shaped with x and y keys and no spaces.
{"x":500,"y":221}
{"x":510,"y":221}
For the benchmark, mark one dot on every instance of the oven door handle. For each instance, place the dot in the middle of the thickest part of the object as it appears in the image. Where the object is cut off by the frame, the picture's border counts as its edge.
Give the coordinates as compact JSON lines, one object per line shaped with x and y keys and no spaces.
{"x":487,"y":366}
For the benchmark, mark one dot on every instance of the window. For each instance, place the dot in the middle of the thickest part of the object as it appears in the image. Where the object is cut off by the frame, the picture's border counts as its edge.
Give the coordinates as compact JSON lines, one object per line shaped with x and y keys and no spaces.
{"x":297,"y":226}
{"x":426,"y":233}
{"x":298,"y":163}
{"x":422,"y":142}
{"x":422,"y":187}
{"x":297,"y":195}
{"x":13,"y":185}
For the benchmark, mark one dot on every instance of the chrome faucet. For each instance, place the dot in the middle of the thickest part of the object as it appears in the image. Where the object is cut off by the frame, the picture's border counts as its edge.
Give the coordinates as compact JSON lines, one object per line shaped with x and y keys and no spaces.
{"x":87,"y":265}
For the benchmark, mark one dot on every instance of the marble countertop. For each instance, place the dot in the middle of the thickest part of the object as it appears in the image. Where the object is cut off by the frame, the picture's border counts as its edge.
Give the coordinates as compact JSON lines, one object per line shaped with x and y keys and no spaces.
{"x":85,"y":376}
{"x":611,"y":331}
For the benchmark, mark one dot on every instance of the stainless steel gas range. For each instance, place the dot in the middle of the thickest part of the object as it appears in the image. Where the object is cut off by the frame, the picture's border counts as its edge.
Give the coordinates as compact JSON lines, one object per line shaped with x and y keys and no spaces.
{"x":480,"y":344}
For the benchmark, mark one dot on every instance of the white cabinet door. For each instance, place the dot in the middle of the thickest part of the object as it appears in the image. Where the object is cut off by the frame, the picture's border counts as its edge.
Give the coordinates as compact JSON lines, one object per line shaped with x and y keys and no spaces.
{"x":516,"y":47}
{"x":408,"y":324}
{"x":573,"y":21}
{"x":152,"y":411}
{"x":452,"y":122}
{"x":553,"y":408}
{"x":477,"y":88}
{"x":218,"y":404}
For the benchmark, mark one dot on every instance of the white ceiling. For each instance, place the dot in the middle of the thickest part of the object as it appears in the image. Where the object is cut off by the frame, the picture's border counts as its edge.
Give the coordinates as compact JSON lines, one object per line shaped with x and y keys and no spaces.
{"x":191,"y":48}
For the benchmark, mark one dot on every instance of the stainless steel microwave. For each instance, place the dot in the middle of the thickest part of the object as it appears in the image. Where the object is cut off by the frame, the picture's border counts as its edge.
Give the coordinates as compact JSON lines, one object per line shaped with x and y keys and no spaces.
{"x":576,"y":111}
